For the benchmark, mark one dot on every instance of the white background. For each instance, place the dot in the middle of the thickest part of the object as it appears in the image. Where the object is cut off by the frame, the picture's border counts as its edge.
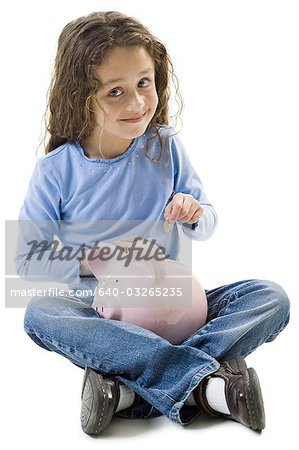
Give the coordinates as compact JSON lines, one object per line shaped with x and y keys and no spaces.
{"x":237,"y":64}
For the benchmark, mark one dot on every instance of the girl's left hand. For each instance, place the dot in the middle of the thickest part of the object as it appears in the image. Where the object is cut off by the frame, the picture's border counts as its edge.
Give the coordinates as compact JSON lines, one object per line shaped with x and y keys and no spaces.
{"x":183,"y":207}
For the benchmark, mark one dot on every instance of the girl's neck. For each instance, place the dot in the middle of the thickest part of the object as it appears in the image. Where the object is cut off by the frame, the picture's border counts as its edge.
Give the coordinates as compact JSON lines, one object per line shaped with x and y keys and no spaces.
{"x":110,"y":148}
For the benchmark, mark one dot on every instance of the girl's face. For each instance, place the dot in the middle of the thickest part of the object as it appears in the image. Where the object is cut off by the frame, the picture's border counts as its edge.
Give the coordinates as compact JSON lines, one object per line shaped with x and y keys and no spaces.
{"x":128,"y":91}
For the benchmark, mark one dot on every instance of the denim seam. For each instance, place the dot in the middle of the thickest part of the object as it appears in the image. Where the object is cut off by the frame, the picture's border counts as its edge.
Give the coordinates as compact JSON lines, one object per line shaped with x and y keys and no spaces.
{"x":240,"y":292}
{"x":66,"y":348}
{"x":236,"y":293}
{"x":217,"y":307}
{"x":202,"y":332}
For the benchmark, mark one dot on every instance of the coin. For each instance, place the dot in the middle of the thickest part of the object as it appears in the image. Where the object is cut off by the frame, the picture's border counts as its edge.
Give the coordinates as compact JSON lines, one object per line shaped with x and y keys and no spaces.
{"x":168,"y":227}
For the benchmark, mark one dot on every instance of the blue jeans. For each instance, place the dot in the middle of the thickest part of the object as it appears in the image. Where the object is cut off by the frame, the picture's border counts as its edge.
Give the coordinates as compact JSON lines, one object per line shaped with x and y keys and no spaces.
{"x":241,"y":316}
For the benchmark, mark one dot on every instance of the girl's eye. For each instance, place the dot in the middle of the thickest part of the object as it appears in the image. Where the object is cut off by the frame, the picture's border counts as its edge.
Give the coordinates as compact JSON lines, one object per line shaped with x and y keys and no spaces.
{"x":111,"y":93}
{"x":113,"y":90}
{"x":147,"y":79}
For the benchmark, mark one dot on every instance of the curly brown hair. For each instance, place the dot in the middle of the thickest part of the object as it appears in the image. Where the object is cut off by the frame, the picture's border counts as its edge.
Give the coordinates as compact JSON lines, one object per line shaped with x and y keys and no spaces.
{"x":82,"y":46}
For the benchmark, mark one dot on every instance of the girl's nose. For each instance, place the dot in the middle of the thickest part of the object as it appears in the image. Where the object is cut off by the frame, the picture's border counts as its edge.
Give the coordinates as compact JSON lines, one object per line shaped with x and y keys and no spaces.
{"x":136,"y":104}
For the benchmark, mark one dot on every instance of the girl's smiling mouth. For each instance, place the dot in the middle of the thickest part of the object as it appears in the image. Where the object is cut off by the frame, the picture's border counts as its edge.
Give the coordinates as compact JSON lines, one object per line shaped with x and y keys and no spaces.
{"x":134,"y":119}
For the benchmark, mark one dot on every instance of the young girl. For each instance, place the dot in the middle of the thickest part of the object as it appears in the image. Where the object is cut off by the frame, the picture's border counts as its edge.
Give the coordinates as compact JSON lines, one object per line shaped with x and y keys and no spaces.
{"x":113,"y":168}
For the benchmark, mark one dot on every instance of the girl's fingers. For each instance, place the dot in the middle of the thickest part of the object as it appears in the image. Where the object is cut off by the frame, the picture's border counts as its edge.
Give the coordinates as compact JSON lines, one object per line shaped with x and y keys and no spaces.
{"x":196,"y":216}
{"x":180,"y":206}
{"x":191,"y":213}
{"x":183,"y":208}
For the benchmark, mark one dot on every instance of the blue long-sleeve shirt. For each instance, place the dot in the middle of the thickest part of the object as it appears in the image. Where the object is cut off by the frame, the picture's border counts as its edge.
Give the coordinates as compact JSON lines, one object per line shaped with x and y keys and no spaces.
{"x":84,"y":200}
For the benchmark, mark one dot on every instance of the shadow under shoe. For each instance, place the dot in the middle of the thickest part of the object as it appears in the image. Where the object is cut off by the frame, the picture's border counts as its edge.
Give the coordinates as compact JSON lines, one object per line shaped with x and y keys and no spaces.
{"x":242,"y":392}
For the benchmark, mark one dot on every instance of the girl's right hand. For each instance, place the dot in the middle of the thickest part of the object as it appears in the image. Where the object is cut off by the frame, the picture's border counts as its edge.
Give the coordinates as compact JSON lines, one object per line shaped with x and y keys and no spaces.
{"x":124,"y":243}
{"x":84,"y":263}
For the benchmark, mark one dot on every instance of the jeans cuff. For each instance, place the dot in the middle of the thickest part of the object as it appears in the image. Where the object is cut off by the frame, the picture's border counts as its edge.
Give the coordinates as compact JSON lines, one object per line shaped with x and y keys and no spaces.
{"x":186,"y":414}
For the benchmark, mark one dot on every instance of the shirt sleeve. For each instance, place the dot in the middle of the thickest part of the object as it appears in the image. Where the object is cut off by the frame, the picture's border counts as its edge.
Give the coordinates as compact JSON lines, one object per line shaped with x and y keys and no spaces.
{"x":38,"y":224}
{"x":187,"y":181}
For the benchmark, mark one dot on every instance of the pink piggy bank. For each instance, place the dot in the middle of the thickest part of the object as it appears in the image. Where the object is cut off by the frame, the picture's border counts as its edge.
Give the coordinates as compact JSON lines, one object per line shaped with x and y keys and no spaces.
{"x":158,"y":295}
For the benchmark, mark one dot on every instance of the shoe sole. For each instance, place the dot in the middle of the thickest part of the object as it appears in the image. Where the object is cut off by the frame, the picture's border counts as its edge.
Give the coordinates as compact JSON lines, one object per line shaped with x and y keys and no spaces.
{"x":256,"y":405}
{"x":95,"y":413}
